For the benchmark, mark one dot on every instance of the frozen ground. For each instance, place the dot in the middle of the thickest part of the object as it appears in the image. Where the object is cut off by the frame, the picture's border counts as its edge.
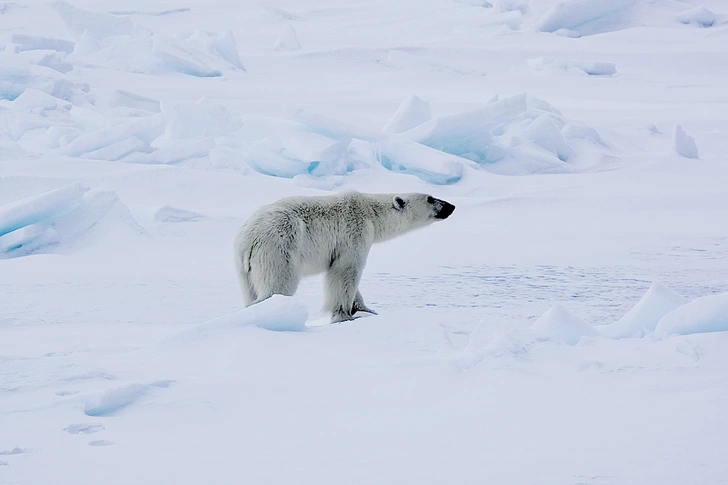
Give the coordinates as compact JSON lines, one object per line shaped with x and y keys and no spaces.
{"x":567,"y":325}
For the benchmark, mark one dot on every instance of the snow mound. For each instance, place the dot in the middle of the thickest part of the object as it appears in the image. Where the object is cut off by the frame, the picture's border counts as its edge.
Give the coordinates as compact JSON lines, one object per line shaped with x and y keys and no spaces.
{"x":168,"y":213}
{"x":560,"y":324}
{"x":702,"y":17}
{"x":592,"y":68}
{"x":702,"y":315}
{"x":111,"y":401}
{"x":288,"y":40}
{"x":486,"y":339}
{"x":412,"y":112}
{"x":644,"y":316}
{"x":278,"y":313}
{"x":42,"y":222}
{"x":586,"y":17}
{"x":684,"y":144}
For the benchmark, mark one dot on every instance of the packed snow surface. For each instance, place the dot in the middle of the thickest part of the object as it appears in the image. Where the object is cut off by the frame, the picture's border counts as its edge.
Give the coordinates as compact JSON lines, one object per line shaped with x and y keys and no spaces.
{"x":566,"y":325}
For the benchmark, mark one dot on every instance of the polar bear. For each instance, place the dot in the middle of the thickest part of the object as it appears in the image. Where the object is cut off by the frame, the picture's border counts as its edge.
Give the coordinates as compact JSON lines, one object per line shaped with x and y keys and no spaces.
{"x":302,"y":236}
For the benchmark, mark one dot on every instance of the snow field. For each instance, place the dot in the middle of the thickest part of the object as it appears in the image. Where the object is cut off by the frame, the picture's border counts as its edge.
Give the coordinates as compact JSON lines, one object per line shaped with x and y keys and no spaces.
{"x":566,"y":325}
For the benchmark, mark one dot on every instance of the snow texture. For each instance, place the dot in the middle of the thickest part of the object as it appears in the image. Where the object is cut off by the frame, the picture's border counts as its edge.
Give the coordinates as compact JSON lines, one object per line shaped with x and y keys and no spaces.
{"x":657,"y":302}
{"x":561,"y":325}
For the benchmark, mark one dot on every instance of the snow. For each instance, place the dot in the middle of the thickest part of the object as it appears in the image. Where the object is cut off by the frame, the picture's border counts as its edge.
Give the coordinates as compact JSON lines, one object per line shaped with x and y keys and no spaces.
{"x":560,"y":324}
{"x":643,"y":317}
{"x":684,"y":144}
{"x":287,"y":41}
{"x":701,"y":16}
{"x":704,"y":314}
{"x":568,"y":317}
{"x":412,"y":112}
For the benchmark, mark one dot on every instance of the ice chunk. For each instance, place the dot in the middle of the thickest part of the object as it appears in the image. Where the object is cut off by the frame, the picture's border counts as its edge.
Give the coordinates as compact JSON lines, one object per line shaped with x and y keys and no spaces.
{"x":287,"y":41}
{"x":270,"y":157}
{"x":486,"y":339}
{"x":655,"y":304}
{"x":94,"y":23}
{"x":56,"y":61}
{"x":31,"y":210}
{"x":592,"y":68}
{"x":28,"y":43}
{"x":468,"y":134}
{"x":701,"y":16}
{"x":135,"y":101}
{"x":168,"y":213}
{"x":277,"y":313}
{"x":576,"y":130}
{"x":179,"y":58}
{"x":704,"y":314}
{"x":560,"y":324}
{"x":576,"y":15}
{"x":26,"y":240}
{"x":335,"y":128}
{"x":201,"y":119}
{"x":226,"y":47}
{"x":412,"y":112}
{"x":544,"y":132}
{"x":684,"y":144}
{"x":145,"y":129}
{"x":400,"y":154}
{"x":58,"y":216}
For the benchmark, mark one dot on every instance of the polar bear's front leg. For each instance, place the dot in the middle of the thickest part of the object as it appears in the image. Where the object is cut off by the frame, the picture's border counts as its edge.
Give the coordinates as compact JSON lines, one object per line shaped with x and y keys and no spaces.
{"x":342,"y":281}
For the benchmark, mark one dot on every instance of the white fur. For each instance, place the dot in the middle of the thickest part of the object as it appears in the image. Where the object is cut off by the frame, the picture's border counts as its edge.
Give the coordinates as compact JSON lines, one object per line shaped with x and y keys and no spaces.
{"x":301,"y":236}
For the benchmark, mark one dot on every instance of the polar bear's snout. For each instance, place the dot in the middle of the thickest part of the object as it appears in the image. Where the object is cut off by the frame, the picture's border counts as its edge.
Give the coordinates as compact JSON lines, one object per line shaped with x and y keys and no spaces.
{"x":443,"y":208}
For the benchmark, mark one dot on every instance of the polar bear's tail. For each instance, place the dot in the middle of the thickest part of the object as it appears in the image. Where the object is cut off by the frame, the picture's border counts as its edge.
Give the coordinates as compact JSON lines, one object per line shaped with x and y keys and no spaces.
{"x":243,"y":252}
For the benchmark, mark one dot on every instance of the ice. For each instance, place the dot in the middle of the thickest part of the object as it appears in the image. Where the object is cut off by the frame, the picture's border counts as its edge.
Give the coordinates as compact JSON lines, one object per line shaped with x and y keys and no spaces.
{"x":331,"y":127}
{"x":200,"y":119}
{"x":136,"y":135}
{"x":400,"y":154}
{"x":412,"y":112}
{"x":114,"y":400}
{"x":278,"y":313}
{"x":701,"y":16}
{"x":29,"y":42}
{"x":60,"y":216}
{"x":112,"y":290}
{"x":585,"y":16}
{"x":703,"y":314}
{"x":35,"y":209}
{"x":491,"y":340}
{"x":657,"y":302}
{"x":560,"y":324}
{"x":168,"y":213}
{"x":287,"y":41}
{"x":592,"y":68}
{"x":97,"y":24}
{"x":684,"y":144}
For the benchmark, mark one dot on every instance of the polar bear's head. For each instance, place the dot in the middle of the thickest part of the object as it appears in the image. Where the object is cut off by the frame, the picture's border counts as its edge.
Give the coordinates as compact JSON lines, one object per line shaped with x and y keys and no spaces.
{"x":422,"y":207}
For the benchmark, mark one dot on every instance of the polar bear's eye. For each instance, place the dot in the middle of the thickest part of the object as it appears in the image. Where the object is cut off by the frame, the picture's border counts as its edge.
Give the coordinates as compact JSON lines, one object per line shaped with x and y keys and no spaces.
{"x":430,"y":199}
{"x":399,"y":203}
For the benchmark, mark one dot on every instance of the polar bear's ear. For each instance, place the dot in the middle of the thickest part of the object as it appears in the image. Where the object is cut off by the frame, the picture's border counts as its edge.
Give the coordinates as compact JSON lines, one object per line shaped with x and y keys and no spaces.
{"x":399,"y":203}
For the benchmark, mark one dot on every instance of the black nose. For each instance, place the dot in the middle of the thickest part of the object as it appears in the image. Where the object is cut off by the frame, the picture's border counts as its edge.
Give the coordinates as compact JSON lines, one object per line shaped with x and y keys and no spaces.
{"x":445,"y":211}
